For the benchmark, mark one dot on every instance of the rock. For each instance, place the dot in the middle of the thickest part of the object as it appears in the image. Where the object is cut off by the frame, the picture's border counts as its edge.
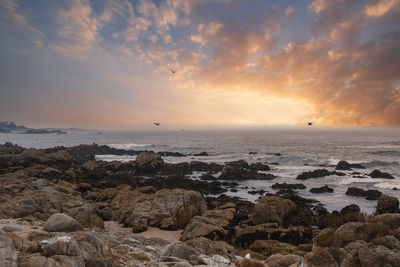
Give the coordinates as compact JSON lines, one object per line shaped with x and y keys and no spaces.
{"x":344,"y":165}
{"x":87,"y":216}
{"x":317,"y":174}
{"x":388,"y":241}
{"x":167,"y":209}
{"x":367,"y":254}
{"x":149,"y":162}
{"x":61,"y":222}
{"x":259,"y":192}
{"x":92,"y":245}
{"x":201,"y":154}
{"x":140,"y":256}
{"x":390,"y":220}
{"x":280,"y":260}
{"x":324,"y":238}
{"x":8,"y":252}
{"x":382,"y":175}
{"x":323,"y":189}
{"x":271,"y":209}
{"x":232,"y":173}
{"x":208,"y":247}
{"x":387,"y":204}
{"x":179,"y":250}
{"x":251,"y":263}
{"x":320,"y":257}
{"x":350,"y":209}
{"x":11,"y":228}
{"x":269,"y":247}
{"x":200,"y":226}
{"x":350,"y":232}
{"x":83,"y":187}
{"x":288,"y":186}
{"x":63,"y":245}
{"x":240,"y":164}
{"x":367,"y":194}
{"x":259,"y":167}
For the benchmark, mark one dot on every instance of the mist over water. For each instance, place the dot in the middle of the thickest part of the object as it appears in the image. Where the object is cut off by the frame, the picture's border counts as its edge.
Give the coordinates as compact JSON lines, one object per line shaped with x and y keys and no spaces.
{"x":287,"y":151}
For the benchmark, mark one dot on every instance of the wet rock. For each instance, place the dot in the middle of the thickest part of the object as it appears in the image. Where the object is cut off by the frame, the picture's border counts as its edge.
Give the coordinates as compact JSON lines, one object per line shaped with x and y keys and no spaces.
{"x":259,"y":167}
{"x":288,"y":186}
{"x":320,"y":190}
{"x":387,"y":204}
{"x":317,"y":174}
{"x":61,"y":222}
{"x":271,"y":209}
{"x":205,"y":167}
{"x":201,"y":154}
{"x":232,"y":173}
{"x":382,"y":175}
{"x":344,"y":165}
{"x":353,"y":208}
{"x":259,"y":192}
{"x":367,"y":194}
{"x":207,"y":177}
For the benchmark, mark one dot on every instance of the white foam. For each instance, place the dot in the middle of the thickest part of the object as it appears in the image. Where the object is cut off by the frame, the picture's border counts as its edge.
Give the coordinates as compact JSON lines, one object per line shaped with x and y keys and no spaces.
{"x":128,"y":145}
{"x":123,"y":158}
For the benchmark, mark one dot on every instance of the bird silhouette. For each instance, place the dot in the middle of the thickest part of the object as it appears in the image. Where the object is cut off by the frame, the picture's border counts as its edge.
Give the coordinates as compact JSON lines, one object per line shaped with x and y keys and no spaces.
{"x":157,"y":124}
{"x":172,"y":70}
{"x":309,"y":123}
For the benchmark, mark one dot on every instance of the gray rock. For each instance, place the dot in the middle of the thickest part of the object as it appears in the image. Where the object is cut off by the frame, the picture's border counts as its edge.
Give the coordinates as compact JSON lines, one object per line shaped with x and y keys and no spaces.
{"x":179,"y":250}
{"x":8,"y":252}
{"x":60,"y":222}
{"x":11,"y":228}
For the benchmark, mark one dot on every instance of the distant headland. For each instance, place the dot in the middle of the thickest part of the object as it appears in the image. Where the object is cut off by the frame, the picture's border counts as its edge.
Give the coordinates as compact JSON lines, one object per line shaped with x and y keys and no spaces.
{"x":11,"y":127}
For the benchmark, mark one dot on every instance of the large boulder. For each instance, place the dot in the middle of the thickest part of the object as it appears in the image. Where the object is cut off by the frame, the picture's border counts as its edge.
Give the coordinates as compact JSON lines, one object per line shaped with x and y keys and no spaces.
{"x":271,"y":209}
{"x":392,"y":220}
{"x":200,"y":226}
{"x":179,"y":250}
{"x":320,"y":257}
{"x":61,"y":222}
{"x":284,"y":260}
{"x":387,"y":204}
{"x":63,"y":245}
{"x":166,"y":209}
{"x":368,"y":255}
{"x":149,"y":161}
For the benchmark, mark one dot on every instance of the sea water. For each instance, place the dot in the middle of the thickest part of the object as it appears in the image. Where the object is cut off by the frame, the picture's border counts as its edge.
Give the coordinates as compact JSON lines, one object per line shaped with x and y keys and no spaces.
{"x":287,"y":151}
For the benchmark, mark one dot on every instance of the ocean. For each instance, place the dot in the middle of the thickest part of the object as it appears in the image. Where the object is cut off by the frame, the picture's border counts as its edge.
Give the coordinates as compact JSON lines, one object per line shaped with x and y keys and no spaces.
{"x":287,"y":151}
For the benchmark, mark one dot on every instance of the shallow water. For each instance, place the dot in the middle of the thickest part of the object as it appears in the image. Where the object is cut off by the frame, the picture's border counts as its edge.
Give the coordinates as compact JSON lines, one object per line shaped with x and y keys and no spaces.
{"x":300,"y":150}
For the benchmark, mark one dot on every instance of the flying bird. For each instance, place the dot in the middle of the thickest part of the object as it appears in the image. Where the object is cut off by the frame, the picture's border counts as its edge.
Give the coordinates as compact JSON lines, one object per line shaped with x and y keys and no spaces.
{"x":157,"y":124}
{"x":309,"y":123}
{"x":172,"y":70}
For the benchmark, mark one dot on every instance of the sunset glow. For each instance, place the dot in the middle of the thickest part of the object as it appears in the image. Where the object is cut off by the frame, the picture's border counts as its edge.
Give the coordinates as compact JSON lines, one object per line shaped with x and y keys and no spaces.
{"x":125,"y":64}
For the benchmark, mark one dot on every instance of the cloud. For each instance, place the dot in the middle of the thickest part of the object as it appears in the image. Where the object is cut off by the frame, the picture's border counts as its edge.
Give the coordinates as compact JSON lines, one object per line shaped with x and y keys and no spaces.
{"x":380,"y":8}
{"x":78,"y":29}
{"x":11,"y":17}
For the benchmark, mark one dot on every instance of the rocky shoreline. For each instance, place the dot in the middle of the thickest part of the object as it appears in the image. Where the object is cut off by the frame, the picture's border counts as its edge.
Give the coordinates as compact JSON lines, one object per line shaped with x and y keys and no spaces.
{"x":60,"y":207}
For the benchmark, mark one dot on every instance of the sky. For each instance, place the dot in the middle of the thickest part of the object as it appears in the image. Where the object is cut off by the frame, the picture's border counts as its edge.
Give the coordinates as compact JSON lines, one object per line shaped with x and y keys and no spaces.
{"x":238,"y":63}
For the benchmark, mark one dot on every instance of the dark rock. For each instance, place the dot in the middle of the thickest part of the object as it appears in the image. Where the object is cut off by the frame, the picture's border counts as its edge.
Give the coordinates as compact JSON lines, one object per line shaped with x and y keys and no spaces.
{"x":259,"y":167}
{"x":202,"y":154}
{"x":233,"y":190}
{"x":323,"y":189}
{"x":353,"y":208}
{"x":207,"y":177}
{"x":387,"y":204}
{"x":379,"y":174}
{"x":368,"y":194}
{"x":288,"y":186}
{"x":205,"y":167}
{"x":252,"y":153}
{"x":317,"y":174}
{"x":344,"y":165}
{"x":239,"y":164}
{"x":255,"y":192}
{"x":233,"y":173}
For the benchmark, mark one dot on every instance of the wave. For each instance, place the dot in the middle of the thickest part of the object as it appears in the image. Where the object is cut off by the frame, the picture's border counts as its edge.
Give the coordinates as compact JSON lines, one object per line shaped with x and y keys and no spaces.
{"x":379,"y":163}
{"x":128,"y":146}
